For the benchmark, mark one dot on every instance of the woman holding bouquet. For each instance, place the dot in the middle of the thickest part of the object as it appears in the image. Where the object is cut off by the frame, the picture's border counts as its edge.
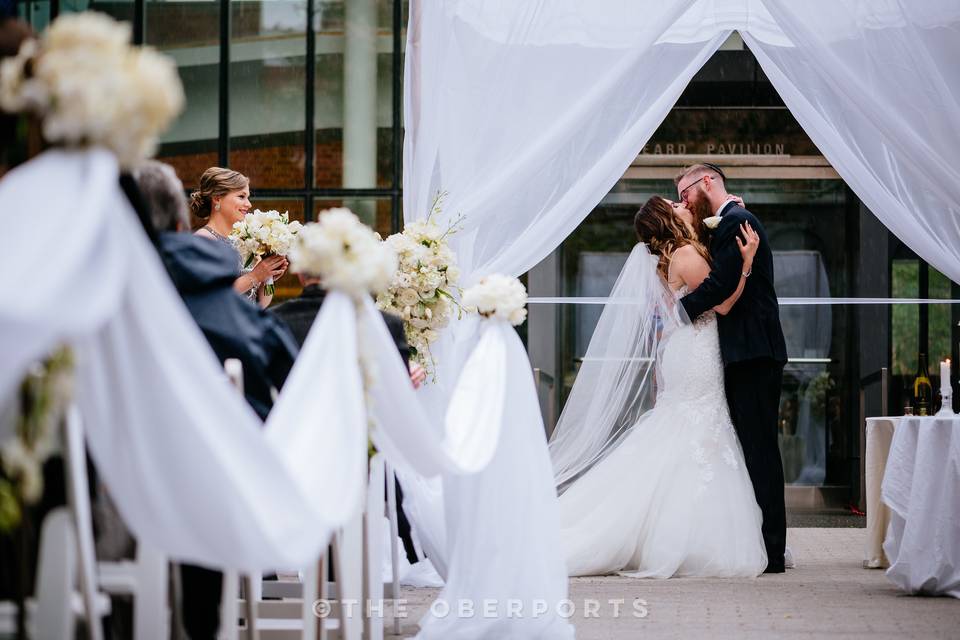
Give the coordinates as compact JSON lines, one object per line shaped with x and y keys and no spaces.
{"x":223,"y":199}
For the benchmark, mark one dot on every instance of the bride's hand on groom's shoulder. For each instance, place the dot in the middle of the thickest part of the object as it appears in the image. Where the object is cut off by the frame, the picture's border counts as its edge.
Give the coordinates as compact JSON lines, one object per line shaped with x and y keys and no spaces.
{"x":748,"y":241}
{"x":738,"y":200}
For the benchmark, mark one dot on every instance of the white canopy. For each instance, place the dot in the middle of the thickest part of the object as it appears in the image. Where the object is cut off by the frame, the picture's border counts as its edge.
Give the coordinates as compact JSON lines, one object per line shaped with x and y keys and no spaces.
{"x":528,"y":112}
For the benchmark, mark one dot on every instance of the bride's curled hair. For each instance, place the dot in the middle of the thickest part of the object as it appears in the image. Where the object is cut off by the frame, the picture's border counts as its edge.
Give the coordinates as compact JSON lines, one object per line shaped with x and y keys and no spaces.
{"x":215,"y":182}
{"x":664,"y":232}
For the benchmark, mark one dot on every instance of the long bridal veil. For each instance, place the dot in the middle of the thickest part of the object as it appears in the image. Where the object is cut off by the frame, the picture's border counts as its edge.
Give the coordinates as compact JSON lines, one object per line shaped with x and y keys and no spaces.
{"x":617,"y":381}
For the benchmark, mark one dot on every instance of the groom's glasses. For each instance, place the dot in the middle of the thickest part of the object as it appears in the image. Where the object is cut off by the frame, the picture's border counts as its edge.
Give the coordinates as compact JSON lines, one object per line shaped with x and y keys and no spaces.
{"x":708,"y":165}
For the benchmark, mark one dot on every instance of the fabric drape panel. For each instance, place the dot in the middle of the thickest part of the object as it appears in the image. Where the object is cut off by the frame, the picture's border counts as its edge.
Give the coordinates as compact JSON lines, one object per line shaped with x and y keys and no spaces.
{"x":504,"y":522}
{"x":528,"y":113}
{"x":876,"y":86}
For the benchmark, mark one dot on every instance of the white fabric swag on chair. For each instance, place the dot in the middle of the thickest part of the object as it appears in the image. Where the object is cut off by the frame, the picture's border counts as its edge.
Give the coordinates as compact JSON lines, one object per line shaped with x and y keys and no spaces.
{"x":192,"y":470}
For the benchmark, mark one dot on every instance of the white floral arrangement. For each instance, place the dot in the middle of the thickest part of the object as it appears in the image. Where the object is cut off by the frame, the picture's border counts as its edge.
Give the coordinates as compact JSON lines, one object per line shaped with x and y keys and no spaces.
{"x":498,"y":296}
{"x":344,"y":253}
{"x":89,"y":87}
{"x":261,"y":233}
{"x":423,"y":291}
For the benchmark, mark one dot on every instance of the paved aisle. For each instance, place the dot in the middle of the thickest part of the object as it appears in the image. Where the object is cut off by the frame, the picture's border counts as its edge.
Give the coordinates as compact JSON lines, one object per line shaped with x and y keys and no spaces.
{"x":829,"y":594}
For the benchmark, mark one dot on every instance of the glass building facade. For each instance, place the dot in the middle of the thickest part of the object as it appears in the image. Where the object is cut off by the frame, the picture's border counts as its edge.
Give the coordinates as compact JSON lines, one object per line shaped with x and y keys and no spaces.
{"x":305,"y":97}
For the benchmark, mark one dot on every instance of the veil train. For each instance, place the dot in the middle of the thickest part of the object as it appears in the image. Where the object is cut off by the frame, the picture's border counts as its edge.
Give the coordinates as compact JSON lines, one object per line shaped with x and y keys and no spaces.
{"x":617,"y":382}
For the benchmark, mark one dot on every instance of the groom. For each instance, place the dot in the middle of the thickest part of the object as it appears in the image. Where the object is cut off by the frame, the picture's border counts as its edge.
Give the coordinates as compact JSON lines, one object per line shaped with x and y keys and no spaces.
{"x":751,"y":340}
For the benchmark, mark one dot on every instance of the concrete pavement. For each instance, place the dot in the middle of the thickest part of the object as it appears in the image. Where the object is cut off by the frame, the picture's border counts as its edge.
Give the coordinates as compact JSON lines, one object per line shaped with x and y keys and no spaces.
{"x":829,"y":594}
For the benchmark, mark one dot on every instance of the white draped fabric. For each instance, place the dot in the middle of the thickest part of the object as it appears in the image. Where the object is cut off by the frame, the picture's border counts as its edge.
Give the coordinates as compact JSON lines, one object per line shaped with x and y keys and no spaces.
{"x":503,"y":529}
{"x":876,"y":87}
{"x":193,"y":471}
{"x":921,"y":485}
{"x":527,"y":112}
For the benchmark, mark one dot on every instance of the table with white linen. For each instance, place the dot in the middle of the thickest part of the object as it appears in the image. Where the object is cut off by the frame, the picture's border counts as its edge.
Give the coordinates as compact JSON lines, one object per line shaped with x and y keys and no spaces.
{"x":921,"y":485}
{"x":879,"y":436}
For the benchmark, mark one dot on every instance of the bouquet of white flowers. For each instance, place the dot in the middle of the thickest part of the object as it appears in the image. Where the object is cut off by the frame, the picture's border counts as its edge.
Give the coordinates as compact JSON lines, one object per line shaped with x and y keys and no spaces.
{"x":344,"y":253}
{"x":424,"y":288}
{"x":261,"y":233}
{"x":90,"y":87}
{"x":498,"y":296}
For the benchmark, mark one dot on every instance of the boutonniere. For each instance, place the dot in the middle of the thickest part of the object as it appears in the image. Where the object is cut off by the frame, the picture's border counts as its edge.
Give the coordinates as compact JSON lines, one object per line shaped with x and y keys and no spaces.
{"x":712,"y":222}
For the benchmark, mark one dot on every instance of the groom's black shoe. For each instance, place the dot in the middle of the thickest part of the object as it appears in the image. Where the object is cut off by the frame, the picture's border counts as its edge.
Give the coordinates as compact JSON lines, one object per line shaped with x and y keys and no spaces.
{"x":774,"y":568}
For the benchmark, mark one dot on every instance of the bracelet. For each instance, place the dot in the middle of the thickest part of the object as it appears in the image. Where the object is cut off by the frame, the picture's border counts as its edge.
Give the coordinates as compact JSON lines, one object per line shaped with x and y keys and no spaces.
{"x":747,"y":274}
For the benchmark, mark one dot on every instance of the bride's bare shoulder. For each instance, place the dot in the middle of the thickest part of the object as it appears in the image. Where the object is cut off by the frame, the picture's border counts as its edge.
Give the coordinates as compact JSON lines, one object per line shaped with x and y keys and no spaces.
{"x":686,"y":256}
{"x":687,"y":265}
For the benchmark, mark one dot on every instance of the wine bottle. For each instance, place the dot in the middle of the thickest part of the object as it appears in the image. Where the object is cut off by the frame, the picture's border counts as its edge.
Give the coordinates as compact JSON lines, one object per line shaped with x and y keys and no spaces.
{"x":922,"y":389}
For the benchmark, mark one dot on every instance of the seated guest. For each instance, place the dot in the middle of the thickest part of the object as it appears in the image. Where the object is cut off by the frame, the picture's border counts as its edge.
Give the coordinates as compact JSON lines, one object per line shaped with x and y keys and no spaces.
{"x":299,"y":314}
{"x":204,"y":274}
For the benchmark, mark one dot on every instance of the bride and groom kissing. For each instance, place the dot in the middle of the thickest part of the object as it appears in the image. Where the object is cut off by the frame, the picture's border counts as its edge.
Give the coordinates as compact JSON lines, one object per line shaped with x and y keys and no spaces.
{"x":666,"y":454}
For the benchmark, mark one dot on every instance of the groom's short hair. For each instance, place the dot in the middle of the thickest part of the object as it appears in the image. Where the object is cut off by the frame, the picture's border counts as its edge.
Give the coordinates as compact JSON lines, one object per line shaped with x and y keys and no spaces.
{"x":699,"y":169}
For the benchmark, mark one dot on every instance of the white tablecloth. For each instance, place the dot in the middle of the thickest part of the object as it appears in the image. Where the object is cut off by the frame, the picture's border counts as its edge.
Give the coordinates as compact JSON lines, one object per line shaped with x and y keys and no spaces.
{"x":922,"y":488}
{"x":879,"y":432}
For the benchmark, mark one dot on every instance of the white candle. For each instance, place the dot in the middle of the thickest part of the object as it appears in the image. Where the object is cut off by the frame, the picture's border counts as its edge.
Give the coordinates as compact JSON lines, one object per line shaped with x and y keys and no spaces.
{"x":945,"y":377}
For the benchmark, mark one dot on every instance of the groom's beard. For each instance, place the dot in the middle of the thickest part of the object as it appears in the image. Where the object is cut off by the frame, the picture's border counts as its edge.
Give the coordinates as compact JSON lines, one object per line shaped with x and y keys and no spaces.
{"x":701,"y":210}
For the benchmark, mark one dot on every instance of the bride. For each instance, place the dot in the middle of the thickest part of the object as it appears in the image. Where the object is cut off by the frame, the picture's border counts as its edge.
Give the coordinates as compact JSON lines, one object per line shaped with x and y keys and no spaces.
{"x":650,"y":472}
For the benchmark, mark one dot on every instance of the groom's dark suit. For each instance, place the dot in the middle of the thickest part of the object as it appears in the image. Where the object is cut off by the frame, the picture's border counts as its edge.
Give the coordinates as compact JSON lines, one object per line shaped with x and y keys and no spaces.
{"x":754,"y":353}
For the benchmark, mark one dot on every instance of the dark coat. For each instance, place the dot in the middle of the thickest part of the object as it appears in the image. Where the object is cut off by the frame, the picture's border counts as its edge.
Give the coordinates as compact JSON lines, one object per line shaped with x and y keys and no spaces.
{"x":752,"y":329}
{"x":300,"y":312}
{"x":203,"y":272}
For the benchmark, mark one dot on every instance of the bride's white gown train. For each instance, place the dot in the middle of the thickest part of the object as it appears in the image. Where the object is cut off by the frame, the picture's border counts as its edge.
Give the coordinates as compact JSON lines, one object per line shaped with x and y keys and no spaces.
{"x":674,"y":497}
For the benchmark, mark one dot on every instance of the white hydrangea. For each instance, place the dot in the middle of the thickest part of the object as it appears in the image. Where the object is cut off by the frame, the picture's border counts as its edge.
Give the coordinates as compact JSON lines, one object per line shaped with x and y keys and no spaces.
{"x":498,"y":296}
{"x":344,"y":253}
{"x":90,"y":87}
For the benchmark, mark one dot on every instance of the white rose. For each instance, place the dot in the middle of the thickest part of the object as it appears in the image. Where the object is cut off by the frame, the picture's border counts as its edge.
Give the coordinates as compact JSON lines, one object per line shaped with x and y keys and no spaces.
{"x":408,"y":297}
{"x":712,"y":222}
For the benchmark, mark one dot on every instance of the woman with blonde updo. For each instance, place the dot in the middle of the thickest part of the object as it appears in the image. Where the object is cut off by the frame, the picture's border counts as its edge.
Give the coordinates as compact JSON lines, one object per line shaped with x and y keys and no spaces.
{"x":223,"y":199}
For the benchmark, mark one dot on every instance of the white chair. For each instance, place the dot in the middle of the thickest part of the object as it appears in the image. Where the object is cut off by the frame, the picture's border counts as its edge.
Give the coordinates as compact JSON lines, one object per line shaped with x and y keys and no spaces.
{"x":358,"y":563}
{"x":273,"y":620}
{"x":66,"y":556}
{"x":373,"y":550}
{"x":54,"y":612}
{"x":145,"y":579}
{"x":78,"y":499}
{"x":394,"y":583}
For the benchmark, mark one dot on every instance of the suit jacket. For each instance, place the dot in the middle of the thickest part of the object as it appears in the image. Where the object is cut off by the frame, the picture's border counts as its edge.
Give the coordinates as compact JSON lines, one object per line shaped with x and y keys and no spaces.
{"x":752,"y":328}
{"x":203,"y":272}
{"x":300,"y":312}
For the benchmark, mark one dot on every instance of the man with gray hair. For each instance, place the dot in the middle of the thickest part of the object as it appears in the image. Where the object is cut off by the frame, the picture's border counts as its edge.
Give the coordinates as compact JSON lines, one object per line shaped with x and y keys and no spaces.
{"x":751,"y":340}
{"x":162,"y":194}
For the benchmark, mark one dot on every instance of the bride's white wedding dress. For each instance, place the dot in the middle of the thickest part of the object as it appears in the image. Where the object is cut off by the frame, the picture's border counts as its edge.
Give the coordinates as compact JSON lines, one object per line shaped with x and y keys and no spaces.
{"x":673,"y":498}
